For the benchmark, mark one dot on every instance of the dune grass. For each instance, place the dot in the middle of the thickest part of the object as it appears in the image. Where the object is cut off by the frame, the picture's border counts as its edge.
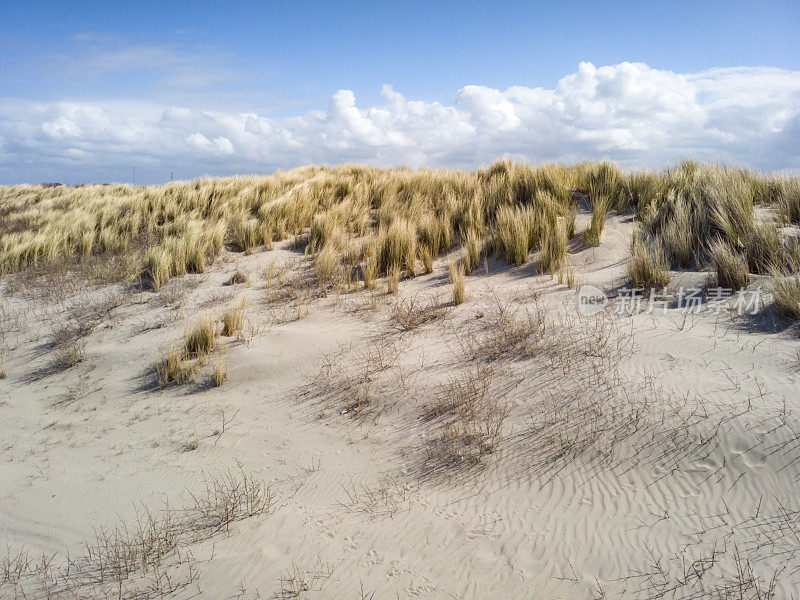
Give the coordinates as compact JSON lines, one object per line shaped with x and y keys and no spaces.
{"x":647,"y":267}
{"x":375,"y":221}
{"x":730,"y":266}
{"x":201,"y":339}
{"x":457,"y":281}
{"x":233,"y":319}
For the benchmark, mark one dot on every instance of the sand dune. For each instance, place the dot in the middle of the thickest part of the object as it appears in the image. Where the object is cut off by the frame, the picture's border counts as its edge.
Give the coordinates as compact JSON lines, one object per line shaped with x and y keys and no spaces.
{"x":507,"y":447}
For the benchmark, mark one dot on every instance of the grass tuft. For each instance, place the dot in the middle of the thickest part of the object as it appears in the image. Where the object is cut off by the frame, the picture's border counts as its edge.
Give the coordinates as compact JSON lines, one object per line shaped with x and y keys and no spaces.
{"x":457,"y":281}
{"x":201,"y":339}
{"x":647,"y":268}
{"x":233,"y":319}
{"x":730,"y":266}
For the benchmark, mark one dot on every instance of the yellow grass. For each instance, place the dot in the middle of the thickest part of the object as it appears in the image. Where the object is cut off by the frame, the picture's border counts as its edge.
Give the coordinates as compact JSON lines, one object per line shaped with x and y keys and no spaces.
{"x":372,"y":220}
{"x":457,"y":280}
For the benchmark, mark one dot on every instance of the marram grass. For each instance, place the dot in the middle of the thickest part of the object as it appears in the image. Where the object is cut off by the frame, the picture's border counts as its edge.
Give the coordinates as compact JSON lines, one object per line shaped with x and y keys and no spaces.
{"x":382,"y":222}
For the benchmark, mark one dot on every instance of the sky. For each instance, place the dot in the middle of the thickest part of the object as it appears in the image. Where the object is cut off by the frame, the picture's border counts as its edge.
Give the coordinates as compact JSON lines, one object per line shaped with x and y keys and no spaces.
{"x":144,"y":91}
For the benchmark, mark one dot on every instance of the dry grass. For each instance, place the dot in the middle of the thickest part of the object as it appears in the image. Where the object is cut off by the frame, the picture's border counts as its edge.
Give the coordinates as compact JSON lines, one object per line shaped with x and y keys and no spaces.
{"x":238,"y":277}
{"x":601,"y":204}
{"x":5,"y":356}
{"x":233,"y":319}
{"x":371,"y":220}
{"x":393,"y":279}
{"x":411,"y":312}
{"x":786,"y":293}
{"x":647,"y":268}
{"x":426,"y":256}
{"x":200,"y":339}
{"x":471,"y":253}
{"x":730,"y":266}
{"x":457,"y":281}
{"x":146,"y":557}
{"x":220,"y":372}
{"x":787,"y":197}
{"x":172,"y":366}
{"x":467,"y":415}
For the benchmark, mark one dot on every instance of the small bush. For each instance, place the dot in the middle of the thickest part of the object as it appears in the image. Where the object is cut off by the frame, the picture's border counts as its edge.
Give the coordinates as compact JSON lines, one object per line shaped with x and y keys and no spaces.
{"x":513,"y":234}
{"x":764,"y":249}
{"x":369,"y":271}
{"x":730,"y":266}
{"x":410,"y":313}
{"x":200,"y":340}
{"x":397,"y":246}
{"x":554,"y":246}
{"x":4,"y":368}
{"x":327,"y":266}
{"x":457,"y":279}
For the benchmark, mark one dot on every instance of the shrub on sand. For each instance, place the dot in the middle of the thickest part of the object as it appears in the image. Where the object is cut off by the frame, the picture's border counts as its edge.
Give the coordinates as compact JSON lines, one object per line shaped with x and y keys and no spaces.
{"x":426,"y":256}
{"x":172,"y":367}
{"x":512,"y":234}
{"x":397,"y":245}
{"x":554,"y":246}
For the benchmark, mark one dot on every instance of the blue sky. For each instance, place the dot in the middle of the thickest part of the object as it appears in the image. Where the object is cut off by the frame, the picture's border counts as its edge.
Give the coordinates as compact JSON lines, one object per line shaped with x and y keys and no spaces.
{"x":87,"y":90}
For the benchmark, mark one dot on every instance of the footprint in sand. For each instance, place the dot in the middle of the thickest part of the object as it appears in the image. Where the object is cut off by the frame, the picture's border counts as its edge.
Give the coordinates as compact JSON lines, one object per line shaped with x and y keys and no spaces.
{"x":371,"y":559}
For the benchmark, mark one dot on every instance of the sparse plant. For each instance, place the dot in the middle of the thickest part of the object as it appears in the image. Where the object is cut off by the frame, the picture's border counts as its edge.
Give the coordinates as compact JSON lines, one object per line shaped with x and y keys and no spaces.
{"x":4,"y":363}
{"x":785,"y":289}
{"x":426,"y":257}
{"x":220,"y":372}
{"x":601,"y":204}
{"x":201,"y":339}
{"x":369,"y":271}
{"x":410,"y":313}
{"x":172,"y":366}
{"x":730,"y":266}
{"x":238,"y":277}
{"x":471,"y":253}
{"x":457,"y":281}
{"x":647,"y":266}
{"x":233,"y":319}
{"x":157,"y":267}
{"x":393,"y":279}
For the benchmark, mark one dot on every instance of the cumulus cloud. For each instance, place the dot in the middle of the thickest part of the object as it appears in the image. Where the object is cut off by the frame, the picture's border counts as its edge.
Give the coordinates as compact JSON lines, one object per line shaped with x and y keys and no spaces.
{"x":629,"y":112}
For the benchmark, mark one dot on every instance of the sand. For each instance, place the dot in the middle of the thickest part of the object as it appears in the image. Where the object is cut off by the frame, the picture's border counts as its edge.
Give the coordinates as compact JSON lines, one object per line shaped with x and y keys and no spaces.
{"x":643,"y":456}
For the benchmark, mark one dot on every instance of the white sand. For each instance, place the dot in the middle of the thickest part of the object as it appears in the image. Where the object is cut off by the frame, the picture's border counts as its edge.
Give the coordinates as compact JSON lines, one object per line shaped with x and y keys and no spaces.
{"x":557,"y":510}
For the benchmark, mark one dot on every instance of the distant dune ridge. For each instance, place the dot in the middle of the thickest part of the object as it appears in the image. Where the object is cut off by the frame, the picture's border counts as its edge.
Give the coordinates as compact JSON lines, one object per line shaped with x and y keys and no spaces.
{"x":363,"y":382}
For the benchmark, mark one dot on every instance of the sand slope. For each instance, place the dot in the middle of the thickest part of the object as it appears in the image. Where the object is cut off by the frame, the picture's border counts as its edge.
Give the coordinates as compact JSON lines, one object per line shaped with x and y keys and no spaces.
{"x":640,"y":456}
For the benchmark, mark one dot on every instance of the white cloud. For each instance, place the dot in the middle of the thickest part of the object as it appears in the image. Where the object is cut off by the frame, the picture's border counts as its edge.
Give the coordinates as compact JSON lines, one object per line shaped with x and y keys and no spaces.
{"x":628,"y":112}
